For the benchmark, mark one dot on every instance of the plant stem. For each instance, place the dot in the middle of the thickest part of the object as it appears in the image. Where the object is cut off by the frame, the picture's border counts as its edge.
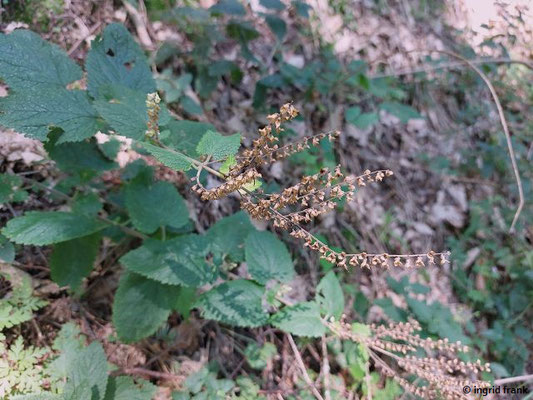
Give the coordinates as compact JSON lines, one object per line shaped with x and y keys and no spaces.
{"x":301,"y":364}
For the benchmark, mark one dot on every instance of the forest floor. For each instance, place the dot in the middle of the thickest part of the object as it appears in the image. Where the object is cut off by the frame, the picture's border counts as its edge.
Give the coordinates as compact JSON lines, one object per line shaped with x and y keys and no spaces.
{"x":446,"y":165}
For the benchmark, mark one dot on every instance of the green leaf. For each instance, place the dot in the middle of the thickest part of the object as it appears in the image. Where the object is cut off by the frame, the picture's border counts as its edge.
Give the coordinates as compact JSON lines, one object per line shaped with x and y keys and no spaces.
{"x":68,"y":343}
{"x":273,"y":4}
{"x":185,"y":135}
{"x":179,"y":261}
{"x":402,"y":111}
{"x":361,"y":330}
{"x":277,"y":26}
{"x":7,"y":250}
{"x":77,"y":157}
{"x":267,"y":258}
{"x":154,"y":206}
{"x":226,"y":165}
{"x":170,"y":158}
{"x":34,"y":112}
{"x":73,"y":260}
{"x":87,"y":378}
{"x":88,"y":204}
{"x":227,"y":236}
{"x":124,"y":110}
{"x":185,"y":301}
{"x":330,"y":295}
{"x":47,"y":227}
{"x":218,"y":146}
{"x":191,"y":106}
{"x":352,"y":113}
{"x":354,"y":116}
{"x":231,"y":7}
{"x":302,"y":319}
{"x":29,"y":62}
{"x":115,"y":58}
{"x":125,"y":388}
{"x":258,"y":357}
{"x":141,"y":306}
{"x":302,"y":8}
{"x":242,"y":31}
{"x":236,"y":303}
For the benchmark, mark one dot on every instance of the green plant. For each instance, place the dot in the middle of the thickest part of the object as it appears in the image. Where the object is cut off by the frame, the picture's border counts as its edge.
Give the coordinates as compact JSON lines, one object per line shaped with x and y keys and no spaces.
{"x":19,"y":369}
{"x":177,"y":268}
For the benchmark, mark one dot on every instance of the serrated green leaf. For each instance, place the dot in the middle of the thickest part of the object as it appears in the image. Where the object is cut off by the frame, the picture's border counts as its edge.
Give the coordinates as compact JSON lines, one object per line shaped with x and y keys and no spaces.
{"x":125,"y":388}
{"x":185,"y":135}
{"x":29,"y":62}
{"x":33,"y":112}
{"x":141,"y":306}
{"x":73,"y":260}
{"x":68,"y":343}
{"x":330,"y":295}
{"x":116,"y":59}
{"x":267,"y":258}
{"x":87,"y":378}
{"x":179,"y":261}
{"x":227,"y":236}
{"x":302,"y":319}
{"x":218,"y":146}
{"x":402,"y":111}
{"x":170,"y":158}
{"x":153,"y":206}
{"x":124,"y":110}
{"x":236,"y":303}
{"x":231,"y":7}
{"x":77,"y":157}
{"x":47,"y":227}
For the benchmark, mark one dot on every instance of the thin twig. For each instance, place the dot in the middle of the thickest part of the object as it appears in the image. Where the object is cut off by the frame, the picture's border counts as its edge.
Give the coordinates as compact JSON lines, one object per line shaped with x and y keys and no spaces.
{"x":326,"y":369}
{"x":514,"y":379}
{"x":301,"y":364}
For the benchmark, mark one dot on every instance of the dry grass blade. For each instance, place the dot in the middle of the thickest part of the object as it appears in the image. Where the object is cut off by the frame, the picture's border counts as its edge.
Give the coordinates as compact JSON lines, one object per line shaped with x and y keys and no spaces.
{"x":301,"y":364}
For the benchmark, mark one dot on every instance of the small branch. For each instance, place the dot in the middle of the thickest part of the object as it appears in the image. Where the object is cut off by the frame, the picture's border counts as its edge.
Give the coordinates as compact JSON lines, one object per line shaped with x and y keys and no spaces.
{"x":301,"y":364}
{"x":140,"y":22}
{"x":326,"y":369}
{"x":513,"y":379}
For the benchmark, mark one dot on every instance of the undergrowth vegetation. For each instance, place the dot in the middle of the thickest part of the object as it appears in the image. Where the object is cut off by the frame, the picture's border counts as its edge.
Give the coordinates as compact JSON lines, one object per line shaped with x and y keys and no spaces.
{"x":139,"y":163}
